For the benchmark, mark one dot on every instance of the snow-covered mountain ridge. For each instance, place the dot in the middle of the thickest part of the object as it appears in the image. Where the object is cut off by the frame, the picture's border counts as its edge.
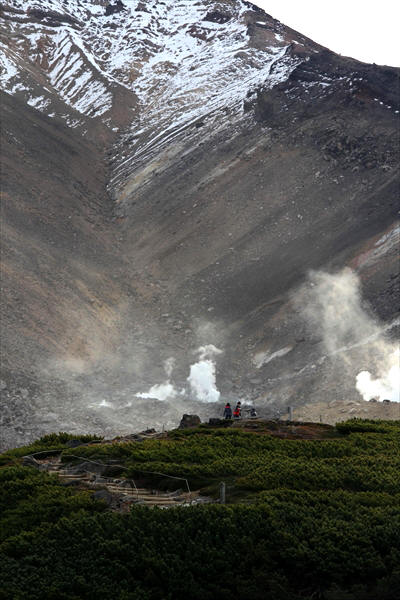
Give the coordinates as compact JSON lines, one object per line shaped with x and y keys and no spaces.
{"x":151,"y":72}
{"x":180,"y":58}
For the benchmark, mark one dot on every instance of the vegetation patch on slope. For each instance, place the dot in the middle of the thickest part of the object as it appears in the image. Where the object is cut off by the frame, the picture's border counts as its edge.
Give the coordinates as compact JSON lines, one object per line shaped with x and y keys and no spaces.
{"x":305,"y":519}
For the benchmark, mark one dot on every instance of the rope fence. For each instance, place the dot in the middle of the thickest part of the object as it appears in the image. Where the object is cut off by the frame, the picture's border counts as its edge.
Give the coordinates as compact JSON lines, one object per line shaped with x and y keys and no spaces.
{"x":113,"y":465}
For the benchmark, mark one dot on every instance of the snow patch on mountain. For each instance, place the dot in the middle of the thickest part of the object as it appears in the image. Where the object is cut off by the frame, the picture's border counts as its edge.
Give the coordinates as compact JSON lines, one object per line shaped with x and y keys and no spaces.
{"x":8,"y":69}
{"x":77,"y":84}
{"x":178,"y":61}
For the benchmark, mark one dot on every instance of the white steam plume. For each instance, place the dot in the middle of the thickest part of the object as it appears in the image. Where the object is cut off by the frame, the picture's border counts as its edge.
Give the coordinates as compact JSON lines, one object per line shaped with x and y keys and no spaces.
{"x":333,"y":305}
{"x":386,"y":387}
{"x":202,"y":378}
{"x":166,"y":390}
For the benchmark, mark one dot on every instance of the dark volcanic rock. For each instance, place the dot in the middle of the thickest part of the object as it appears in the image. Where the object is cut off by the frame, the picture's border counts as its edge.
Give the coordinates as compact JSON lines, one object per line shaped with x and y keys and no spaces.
{"x":114,"y":8}
{"x":215,"y":16}
{"x":189,"y":421}
{"x":52,"y":17}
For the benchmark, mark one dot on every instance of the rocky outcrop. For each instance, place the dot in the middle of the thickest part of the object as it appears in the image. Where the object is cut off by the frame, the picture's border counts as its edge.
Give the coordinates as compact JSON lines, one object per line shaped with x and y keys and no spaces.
{"x":189,"y":421}
{"x":111,"y":9}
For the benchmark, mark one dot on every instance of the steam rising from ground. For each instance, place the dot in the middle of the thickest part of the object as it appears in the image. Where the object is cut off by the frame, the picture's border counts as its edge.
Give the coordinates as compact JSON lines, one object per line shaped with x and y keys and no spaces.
{"x":102,"y":388}
{"x":163,"y":391}
{"x":334,"y":306}
{"x":386,"y":387}
{"x":202,"y":379}
{"x":93,"y":387}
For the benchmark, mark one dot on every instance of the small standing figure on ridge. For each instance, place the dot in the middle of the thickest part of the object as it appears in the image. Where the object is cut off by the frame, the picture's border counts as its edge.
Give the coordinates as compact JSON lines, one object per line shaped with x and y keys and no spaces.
{"x":253,"y":413}
{"x":237,"y":413}
{"x":227,"y":411}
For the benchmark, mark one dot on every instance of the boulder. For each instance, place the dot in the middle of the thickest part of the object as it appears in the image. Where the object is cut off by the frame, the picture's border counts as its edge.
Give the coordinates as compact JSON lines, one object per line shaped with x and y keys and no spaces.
{"x":189,"y":421}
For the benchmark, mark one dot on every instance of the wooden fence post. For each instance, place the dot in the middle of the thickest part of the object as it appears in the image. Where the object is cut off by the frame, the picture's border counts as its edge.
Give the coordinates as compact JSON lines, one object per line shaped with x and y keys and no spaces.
{"x":222,"y":492}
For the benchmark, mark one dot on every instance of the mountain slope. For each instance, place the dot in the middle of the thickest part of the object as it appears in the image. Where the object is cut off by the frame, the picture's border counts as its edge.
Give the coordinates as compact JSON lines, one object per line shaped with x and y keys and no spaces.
{"x":172,"y":172}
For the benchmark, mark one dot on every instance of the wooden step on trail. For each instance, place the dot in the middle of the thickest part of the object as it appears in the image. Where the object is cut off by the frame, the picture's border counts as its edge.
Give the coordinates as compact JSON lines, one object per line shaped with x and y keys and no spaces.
{"x":124,"y":495}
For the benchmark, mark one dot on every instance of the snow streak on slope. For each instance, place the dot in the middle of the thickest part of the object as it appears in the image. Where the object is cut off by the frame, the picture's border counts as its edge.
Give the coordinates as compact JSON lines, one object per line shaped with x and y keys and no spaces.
{"x":53,"y":38}
{"x":188,"y":68}
{"x":8,"y":67}
{"x":173,"y":55}
{"x":77,"y":82}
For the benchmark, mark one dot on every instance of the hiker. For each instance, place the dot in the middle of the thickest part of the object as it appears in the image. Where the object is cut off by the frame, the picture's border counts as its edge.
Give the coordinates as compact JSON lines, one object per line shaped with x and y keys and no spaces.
{"x":227,"y":411}
{"x":238,"y":410}
{"x":253,"y":413}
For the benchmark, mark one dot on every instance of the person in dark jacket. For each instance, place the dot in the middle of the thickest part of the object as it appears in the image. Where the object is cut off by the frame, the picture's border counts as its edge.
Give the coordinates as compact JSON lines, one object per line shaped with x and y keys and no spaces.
{"x":227,"y":411}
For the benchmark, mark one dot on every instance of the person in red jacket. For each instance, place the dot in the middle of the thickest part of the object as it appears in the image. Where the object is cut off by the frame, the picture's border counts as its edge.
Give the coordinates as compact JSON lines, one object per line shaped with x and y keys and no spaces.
{"x":237,"y":413}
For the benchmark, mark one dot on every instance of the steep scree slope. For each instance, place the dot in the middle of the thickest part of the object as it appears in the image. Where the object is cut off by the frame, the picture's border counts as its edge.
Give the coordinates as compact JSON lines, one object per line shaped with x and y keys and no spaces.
{"x":171,"y":172}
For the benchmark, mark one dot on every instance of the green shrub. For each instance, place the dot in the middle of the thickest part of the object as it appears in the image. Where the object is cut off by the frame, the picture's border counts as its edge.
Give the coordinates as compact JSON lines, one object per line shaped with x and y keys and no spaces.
{"x":47,"y":443}
{"x":368,"y":425}
{"x":54,"y":439}
{"x":321,"y":520}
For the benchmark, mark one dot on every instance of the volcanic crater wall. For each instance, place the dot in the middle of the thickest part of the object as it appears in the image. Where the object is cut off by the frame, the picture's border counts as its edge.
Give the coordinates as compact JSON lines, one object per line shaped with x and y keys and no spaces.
{"x":227,"y":157}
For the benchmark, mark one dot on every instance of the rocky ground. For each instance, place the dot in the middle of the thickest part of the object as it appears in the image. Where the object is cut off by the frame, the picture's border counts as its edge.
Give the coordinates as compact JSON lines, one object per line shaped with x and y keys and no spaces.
{"x":183,"y":202}
{"x":335,"y":411}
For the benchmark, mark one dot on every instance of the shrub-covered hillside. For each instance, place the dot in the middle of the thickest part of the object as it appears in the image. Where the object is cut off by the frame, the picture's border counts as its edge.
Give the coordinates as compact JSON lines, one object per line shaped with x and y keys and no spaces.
{"x":304,"y":519}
